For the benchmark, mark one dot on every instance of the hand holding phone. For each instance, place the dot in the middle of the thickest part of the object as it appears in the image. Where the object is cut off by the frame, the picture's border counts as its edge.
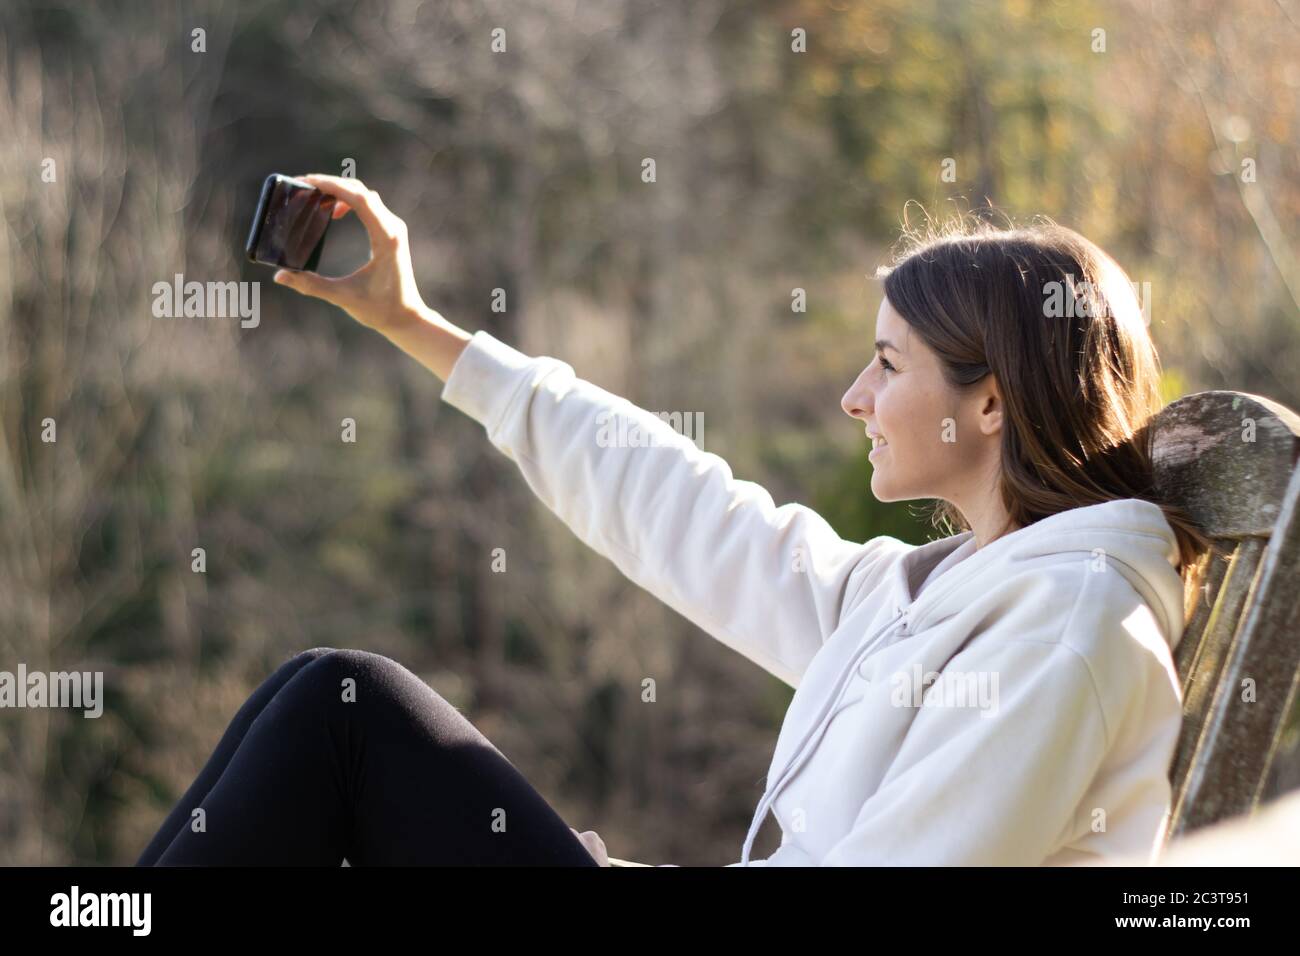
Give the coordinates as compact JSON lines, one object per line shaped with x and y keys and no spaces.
{"x":289,"y":225}
{"x":382,"y":294}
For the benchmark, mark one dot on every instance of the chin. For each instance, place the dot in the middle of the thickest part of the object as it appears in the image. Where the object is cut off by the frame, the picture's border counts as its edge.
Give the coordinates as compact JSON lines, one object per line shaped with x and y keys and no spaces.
{"x":881,"y":489}
{"x":886,"y":490}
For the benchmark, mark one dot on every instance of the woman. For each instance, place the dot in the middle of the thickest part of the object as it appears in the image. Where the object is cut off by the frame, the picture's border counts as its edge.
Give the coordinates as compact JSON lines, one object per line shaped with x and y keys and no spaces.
{"x":1005,"y":695}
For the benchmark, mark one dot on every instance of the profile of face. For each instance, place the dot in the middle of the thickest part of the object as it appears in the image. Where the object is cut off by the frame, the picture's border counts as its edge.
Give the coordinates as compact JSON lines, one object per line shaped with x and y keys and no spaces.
{"x":930,"y":440}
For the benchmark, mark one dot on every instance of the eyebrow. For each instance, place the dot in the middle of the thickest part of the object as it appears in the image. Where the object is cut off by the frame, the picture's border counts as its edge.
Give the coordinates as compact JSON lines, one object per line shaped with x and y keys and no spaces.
{"x":886,"y":344}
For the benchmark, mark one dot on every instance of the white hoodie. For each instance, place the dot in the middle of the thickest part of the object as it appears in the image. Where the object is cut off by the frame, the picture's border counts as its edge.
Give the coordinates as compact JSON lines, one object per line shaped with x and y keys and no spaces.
{"x":1046,"y":737}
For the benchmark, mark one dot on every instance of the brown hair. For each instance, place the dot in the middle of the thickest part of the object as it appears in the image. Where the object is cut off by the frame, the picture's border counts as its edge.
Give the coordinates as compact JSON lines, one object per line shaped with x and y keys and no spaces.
{"x":1058,"y":322}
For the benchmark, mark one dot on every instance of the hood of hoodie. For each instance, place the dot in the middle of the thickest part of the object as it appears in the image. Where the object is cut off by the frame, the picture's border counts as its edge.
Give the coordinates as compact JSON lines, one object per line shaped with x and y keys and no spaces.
{"x":1131,"y":535}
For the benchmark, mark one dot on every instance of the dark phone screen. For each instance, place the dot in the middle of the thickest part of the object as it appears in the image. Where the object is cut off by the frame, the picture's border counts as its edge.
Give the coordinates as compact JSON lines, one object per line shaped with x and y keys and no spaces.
{"x":294,"y":226}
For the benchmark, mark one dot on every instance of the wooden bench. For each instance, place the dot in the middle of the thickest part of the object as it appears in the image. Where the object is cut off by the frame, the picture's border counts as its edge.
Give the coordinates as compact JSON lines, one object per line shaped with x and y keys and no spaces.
{"x":1229,"y":459}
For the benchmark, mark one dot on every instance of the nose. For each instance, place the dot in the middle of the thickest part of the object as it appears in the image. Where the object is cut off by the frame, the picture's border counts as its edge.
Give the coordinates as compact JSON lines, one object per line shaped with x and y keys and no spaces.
{"x":859,"y":401}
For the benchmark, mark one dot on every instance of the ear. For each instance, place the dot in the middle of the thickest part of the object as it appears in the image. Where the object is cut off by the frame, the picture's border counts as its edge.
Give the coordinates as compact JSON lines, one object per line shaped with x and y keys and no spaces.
{"x":991,"y":406}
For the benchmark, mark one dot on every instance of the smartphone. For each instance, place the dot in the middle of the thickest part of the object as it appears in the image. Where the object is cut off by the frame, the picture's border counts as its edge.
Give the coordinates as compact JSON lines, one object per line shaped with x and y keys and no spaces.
{"x":290,"y":223}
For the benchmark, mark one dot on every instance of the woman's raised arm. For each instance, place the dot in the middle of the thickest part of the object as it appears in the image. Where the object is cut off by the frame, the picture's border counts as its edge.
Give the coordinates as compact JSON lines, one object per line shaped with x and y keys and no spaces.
{"x":770,"y":582}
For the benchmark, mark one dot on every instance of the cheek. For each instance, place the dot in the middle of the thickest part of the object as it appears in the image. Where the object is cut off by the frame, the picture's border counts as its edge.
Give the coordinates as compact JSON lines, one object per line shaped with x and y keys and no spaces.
{"x":891,"y":412}
{"x":903,"y":415}
{"x":916,"y":421}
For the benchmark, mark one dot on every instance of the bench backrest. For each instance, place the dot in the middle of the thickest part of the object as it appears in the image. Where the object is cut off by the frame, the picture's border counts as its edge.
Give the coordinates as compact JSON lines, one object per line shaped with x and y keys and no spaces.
{"x":1229,"y":458}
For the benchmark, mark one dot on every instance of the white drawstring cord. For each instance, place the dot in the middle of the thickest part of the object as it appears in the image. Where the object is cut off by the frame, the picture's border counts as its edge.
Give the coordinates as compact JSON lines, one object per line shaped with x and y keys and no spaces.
{"x":801,"y":754}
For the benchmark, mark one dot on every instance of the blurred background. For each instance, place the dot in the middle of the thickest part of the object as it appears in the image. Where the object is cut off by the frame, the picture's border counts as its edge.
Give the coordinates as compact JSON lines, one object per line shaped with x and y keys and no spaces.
{"x":134,"y":138}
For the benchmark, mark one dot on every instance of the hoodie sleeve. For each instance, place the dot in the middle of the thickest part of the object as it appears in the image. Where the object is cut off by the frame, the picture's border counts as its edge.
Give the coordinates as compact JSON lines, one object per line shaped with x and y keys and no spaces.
{"x":769,"y":582}
{"x":981,"y":785}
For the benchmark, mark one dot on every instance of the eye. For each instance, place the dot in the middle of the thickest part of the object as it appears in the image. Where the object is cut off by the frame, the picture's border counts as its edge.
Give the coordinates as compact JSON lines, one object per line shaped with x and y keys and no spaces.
{"x":884,"y":364}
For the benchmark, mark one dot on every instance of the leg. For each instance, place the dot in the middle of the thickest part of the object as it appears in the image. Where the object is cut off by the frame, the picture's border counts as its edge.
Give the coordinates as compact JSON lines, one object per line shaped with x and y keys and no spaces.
{"x":216,"y":765}
{"x":356,"y":756}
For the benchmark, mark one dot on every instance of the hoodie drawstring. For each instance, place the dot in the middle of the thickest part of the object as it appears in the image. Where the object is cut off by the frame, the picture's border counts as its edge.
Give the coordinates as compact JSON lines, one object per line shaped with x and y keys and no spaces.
{"x":804,"y":750}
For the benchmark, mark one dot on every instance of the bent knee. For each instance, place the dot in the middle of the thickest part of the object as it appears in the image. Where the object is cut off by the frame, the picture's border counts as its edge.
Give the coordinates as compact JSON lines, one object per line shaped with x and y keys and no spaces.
{"x":306,"y":657}
{"x":332,"y":664}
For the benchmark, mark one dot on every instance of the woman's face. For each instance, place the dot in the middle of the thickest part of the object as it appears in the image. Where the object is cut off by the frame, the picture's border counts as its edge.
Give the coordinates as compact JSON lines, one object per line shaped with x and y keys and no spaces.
{"x":936,"y":440}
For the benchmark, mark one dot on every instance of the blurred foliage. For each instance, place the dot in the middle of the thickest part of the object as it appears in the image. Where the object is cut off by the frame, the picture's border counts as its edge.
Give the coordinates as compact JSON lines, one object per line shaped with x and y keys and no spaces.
{"x":521,"y":171}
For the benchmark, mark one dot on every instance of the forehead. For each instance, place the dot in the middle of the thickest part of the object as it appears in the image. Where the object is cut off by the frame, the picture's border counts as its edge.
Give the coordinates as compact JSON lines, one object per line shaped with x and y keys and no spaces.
{"x":892,"y":326}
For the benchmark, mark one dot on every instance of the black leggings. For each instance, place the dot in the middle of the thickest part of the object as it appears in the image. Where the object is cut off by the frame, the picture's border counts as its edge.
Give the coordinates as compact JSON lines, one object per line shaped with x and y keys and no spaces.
{"x":378,"y":769}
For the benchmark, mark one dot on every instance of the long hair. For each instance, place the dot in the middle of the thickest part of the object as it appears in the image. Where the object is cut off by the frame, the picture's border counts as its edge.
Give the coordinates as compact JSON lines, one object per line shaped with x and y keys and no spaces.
{"x":1059,"y":324}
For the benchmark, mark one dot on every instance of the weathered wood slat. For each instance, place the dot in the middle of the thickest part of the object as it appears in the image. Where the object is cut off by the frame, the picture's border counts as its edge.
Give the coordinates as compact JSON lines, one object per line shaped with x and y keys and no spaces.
{"x":1241,"y":729}
{"x":1227,"y":458}
{"x":1212,"y":649}
{"x":1186,"y":652}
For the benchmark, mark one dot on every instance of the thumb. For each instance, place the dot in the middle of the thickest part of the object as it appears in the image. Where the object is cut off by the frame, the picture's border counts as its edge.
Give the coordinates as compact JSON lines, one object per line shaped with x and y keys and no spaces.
{"x":308,"y":283}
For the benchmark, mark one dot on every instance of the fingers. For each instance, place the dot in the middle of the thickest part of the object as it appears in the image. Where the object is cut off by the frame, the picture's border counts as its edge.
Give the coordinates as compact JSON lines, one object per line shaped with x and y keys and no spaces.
{"x":379,"y":220}
{"x":311,"y":283}
{"x":338,"y":208}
